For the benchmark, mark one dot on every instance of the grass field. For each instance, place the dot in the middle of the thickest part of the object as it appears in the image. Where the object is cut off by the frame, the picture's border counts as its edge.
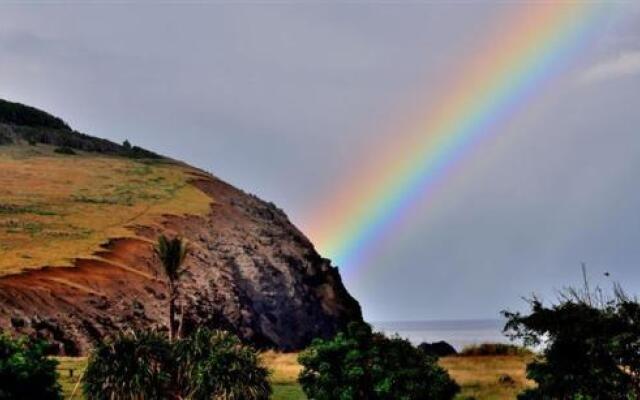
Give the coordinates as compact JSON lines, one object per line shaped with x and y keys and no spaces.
{"x":478,"y":375}
{"x":54,"y":208}
{"x":284,"y":371}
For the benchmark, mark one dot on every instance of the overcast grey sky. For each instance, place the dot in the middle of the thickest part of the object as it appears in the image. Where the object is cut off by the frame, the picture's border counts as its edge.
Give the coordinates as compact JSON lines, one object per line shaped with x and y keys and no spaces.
{"x":281,"y":98}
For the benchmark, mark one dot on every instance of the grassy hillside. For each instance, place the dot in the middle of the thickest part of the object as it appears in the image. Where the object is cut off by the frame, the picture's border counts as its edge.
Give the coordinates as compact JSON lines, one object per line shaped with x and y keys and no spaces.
{"x":479,"y":376}
{"x":56,"y":207}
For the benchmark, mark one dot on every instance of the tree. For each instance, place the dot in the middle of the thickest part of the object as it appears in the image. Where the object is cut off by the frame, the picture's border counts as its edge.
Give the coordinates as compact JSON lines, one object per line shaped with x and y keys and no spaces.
{"x":591,"y":346}
{"x":215,"y":365}
{"x":172,"y":253}
{"x":25,"y":370}
{"x":132,"y":366}
{"x":361,"y":365}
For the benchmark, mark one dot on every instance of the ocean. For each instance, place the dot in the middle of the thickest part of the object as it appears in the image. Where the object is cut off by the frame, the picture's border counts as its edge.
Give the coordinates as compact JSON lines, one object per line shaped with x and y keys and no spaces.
{"x":458,"y":333}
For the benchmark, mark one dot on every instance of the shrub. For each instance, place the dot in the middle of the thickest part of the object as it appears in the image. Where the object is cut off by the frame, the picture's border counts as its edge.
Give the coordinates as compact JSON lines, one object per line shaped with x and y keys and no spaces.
{"x":65,"y":150}
{"x":215,"y":365}
{"x":361,"y":365}
{"x":207,"y":365}
{"x":495,"y":349}
{"x":133,"y":366}
{"x":25,"y":371}
{"x":591,"y":348}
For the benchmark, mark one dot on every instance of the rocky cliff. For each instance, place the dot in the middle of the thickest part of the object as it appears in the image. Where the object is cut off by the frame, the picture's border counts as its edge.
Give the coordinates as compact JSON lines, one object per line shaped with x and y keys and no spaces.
{"x":250,"y":271}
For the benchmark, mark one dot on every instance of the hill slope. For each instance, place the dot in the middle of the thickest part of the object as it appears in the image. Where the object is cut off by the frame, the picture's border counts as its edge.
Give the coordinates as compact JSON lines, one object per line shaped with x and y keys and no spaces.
{"x":78,"y":216}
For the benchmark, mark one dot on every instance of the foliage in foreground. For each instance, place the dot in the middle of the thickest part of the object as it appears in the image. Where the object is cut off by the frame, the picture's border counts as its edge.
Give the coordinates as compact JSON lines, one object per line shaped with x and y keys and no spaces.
{"x":591,"y":347}
{"x":208,"y":365}
{"x":358,"y":364}
{"x":136,"y":366}
{"x":217,"y":363}
{"x":20,"y":114}
{"x":25,"y":371}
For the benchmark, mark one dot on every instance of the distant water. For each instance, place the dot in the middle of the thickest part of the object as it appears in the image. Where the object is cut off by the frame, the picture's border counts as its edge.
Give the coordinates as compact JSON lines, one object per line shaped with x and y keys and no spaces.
{"x":458,"y":333}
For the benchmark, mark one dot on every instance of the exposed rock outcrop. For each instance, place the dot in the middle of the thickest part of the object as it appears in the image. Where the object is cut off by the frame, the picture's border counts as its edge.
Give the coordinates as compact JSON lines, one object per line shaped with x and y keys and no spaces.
{"x":250,"y":270}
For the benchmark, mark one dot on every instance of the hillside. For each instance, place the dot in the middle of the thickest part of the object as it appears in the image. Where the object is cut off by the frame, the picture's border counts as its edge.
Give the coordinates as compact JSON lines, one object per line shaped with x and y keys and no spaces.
{"x":78,"y":216}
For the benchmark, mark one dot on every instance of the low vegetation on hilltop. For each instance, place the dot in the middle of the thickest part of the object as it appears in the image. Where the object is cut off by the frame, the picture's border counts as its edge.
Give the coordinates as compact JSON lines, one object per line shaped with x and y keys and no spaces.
{"x":20,"y":114}
{"x":495,"y":349}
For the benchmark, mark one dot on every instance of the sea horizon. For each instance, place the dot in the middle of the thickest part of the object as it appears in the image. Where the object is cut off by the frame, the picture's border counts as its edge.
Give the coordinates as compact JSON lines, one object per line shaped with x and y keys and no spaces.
{"x":457,"y":332}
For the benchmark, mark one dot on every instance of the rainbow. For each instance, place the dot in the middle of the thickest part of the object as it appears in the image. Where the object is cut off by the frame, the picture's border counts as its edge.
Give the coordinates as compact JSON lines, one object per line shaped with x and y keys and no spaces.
{"x":496,"y":81}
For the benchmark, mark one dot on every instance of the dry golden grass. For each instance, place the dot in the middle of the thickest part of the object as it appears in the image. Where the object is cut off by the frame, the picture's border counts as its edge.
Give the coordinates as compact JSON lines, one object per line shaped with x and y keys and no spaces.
{"x":284,"y":367}
{"x":284,"y":374}
{"x":54,"y":208}
{"x":479,"y":375}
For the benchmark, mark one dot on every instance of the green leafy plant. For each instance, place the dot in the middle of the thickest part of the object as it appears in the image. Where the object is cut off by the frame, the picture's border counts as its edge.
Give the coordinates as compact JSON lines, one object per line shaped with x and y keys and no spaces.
{"x":146,"y":366}
{"x":358,"y":365}
{"x":25,"y":370}
{"x":591,"y":346}
{"x":131,"y":366}
{"x":216,"y":365}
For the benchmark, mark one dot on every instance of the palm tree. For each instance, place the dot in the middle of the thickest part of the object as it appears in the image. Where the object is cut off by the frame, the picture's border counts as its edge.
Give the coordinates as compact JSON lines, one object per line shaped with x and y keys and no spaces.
{"x":172,"y":253}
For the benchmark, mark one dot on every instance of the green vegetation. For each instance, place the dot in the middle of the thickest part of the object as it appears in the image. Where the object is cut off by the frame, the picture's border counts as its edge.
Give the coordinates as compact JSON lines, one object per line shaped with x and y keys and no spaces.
{"x":214,"y":364}
{"x":133,"y":366}
{"x":359,"y":364}
{"x":25,"y":371}
{"x":207,"y":365}
{"x":495,"y":349}
{"x":20,"y":114}
{"x":479,"y":377}
{"x":65,"y":150}
{"x":591,"y":346}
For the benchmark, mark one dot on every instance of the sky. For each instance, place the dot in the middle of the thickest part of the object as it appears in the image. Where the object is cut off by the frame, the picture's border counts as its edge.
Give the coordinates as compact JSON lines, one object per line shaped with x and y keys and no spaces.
{"x":284,"y":100}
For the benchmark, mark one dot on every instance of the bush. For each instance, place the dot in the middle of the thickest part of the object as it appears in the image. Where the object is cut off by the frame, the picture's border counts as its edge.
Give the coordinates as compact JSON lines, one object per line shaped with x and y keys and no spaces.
{"x":361,"y":365}
{"x":495,"y":349}
{"x":214,"y":364}
{"x":25,"y":371}
{"x":135,"y":366}
{"x":65,"y":150}
{"x":591,"y":348}
{"x":208,"y":365}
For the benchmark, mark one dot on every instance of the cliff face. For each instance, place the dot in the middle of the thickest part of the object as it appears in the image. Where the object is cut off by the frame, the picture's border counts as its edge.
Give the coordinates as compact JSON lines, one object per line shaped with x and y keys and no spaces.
{"x":250,"y":271}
